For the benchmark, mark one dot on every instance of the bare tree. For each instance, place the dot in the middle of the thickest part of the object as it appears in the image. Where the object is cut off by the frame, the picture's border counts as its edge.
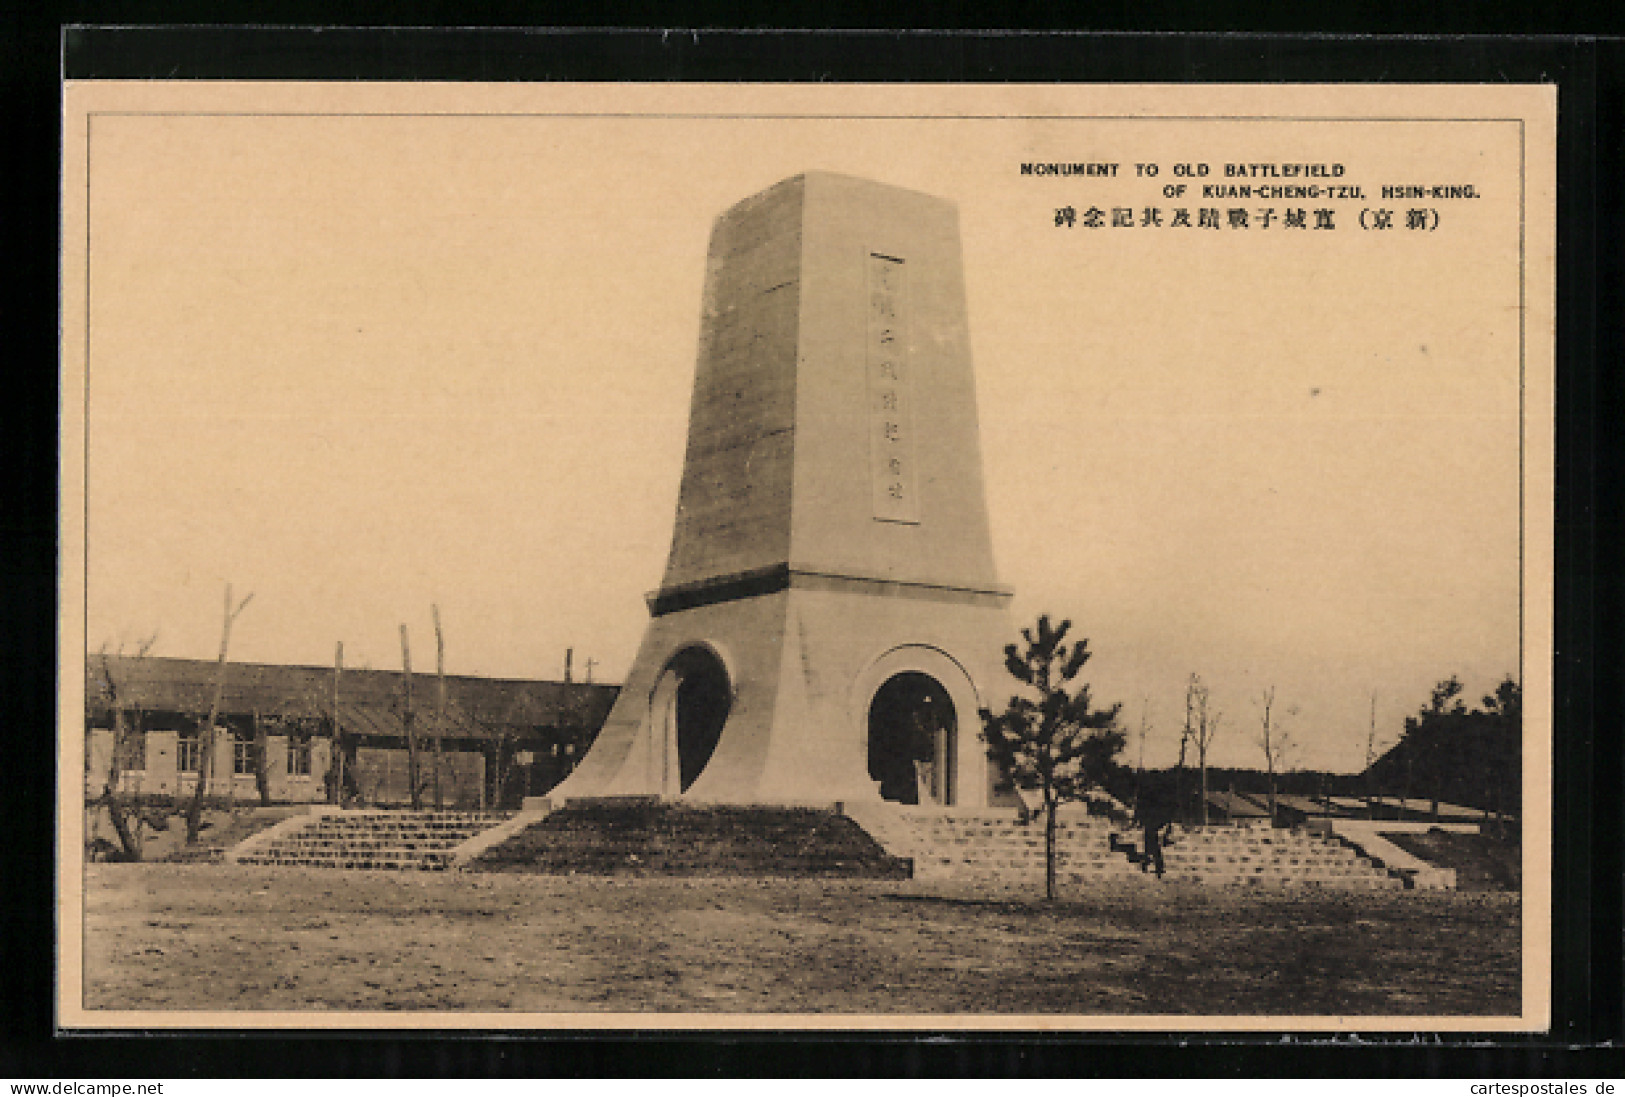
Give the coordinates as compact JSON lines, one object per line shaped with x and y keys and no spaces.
{"x":1140,"y":733}
{"x":335,"y":766}
{"x":501,"y":765}
{"x":194,"y":811}
{"x":440,"y":706}
{"x":413,"y":786}
{"x":1274,"y":740}
{"x":1371,"y":759}
{"x":124,"y":810}
{"x":1143,"y":730}
{"x":1184,"y":755}
{"x":262,"y":760}
{"x":1201,"y":728}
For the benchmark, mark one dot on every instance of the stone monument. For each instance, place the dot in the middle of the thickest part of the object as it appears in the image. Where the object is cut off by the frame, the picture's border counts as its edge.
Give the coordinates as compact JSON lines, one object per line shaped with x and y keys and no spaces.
{"x":829,"y":622}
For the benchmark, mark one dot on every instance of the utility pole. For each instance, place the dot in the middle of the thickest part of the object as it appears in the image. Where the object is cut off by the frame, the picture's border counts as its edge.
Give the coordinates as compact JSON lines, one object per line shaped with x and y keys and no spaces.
{"x":590,"y":664}
{"x":194,"y":812}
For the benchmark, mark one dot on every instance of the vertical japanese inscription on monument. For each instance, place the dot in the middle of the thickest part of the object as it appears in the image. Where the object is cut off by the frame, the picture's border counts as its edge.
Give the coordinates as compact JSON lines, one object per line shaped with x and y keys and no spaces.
{"x":892,"y":474}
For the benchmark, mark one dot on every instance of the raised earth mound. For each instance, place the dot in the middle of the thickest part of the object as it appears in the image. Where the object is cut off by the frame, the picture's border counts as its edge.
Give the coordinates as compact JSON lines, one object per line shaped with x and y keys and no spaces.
{"x":650,"y":838}
{"x":1482,"y":863}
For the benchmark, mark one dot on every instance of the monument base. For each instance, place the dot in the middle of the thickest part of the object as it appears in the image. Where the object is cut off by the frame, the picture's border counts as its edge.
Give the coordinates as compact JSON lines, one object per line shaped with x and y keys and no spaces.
{"x":820,"y":688}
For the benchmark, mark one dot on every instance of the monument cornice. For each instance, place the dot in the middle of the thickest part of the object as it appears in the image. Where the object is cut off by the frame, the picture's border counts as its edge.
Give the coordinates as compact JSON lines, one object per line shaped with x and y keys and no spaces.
{"x":757,"y":582}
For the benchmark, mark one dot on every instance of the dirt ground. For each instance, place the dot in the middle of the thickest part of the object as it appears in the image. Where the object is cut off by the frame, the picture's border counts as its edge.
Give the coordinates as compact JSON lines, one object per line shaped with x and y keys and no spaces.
{"x":228,"y":937}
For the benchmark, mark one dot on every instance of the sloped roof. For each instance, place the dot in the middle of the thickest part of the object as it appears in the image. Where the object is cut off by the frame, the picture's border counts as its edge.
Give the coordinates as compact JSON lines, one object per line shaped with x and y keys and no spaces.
{"x":1235,"y":805}
{"x":1306,"y":805}
{"x":370,"y":701}
{"x":1421,"y":805}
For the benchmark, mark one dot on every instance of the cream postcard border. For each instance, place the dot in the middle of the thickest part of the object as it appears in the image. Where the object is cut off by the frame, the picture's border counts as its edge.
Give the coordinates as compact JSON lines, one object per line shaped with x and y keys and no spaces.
{"x":1532,"y":108}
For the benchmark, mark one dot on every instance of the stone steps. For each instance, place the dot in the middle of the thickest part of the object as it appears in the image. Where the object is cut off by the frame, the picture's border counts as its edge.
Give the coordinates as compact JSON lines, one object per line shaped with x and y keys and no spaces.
{"x":404,"y":834}
{"x":996,"y":847}
{"x":1258,"y":856}
{"x":426,"y":862}
{"x":993,"y":846}
{"x":400,"y":828}
{"x":1362,"y":882}
{"x":318,"y":846}
{"x":399,"y":841}
{"x":1294,"y":858}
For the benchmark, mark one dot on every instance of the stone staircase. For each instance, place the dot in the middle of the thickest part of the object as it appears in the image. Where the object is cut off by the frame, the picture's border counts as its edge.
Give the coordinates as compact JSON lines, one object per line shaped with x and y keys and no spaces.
{"x":1371,"y":841}
{"x":1266,"y":856}
{"x":398,"y":840}
{"x":994,"y":846}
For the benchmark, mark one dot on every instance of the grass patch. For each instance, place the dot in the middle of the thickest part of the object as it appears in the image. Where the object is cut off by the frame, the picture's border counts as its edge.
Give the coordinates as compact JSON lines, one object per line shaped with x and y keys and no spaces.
{"x":1482,"y":863}
{"x":224,"y":829}
{"x":662,"y":839}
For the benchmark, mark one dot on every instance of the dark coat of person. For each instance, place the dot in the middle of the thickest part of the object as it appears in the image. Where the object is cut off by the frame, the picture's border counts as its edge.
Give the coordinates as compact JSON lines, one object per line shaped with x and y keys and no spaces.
{"x":1155,"y":817}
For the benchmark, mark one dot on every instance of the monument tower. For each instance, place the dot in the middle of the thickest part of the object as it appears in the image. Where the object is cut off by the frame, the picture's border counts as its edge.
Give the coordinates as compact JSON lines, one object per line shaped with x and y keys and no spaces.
{"x":829,"y":622}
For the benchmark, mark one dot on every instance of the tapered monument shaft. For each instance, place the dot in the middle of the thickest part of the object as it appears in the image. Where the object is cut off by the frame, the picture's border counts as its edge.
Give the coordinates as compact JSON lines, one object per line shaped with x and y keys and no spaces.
{"x":829,"y":618}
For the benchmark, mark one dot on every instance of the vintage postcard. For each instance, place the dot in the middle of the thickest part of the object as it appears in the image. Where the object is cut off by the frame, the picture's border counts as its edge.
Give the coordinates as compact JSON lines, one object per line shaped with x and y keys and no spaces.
{"x":842,"y":557}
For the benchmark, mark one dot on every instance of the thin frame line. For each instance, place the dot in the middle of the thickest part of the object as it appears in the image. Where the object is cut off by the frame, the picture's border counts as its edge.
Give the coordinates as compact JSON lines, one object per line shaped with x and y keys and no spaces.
{"x":1522,"y":317}
{"x":671,"y":116}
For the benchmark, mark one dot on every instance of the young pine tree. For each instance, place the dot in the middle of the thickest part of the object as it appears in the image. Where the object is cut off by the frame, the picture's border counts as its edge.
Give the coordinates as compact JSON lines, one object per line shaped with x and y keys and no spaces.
{"x":1049,"y":738}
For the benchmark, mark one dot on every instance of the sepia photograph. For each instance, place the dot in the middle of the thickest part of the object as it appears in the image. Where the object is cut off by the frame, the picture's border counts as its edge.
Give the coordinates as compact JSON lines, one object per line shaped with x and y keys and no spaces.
{"x":586,"y":556}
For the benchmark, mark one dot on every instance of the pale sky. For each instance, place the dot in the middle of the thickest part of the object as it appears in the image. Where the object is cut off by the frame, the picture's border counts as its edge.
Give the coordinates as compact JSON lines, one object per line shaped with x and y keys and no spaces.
{"x":361,"y":365}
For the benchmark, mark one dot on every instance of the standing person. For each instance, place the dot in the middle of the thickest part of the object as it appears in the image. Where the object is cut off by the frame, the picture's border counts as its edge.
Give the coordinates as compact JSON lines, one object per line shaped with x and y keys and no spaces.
{"x":1155,"y":821}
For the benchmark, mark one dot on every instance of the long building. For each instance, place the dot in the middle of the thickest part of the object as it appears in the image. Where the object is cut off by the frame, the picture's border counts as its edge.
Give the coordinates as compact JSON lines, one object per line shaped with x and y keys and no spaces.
{"x":292,"y":734}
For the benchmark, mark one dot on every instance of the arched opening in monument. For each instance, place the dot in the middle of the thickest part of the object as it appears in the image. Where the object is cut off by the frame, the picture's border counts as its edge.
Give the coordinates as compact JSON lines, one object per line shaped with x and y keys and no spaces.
{"x":911,"y":740}
{"x":697,"y":696}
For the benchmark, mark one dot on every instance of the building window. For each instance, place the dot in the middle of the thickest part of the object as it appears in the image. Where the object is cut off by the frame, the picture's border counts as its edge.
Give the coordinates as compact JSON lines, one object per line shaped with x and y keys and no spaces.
{"x":242,"y":757}
{"x":189,"y":754}
{"x":299,"y":757}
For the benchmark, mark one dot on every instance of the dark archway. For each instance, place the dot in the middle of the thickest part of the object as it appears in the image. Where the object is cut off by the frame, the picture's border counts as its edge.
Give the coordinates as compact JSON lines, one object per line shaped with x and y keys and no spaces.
{"x":911,"y":737}
{"x":699,"y":709}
